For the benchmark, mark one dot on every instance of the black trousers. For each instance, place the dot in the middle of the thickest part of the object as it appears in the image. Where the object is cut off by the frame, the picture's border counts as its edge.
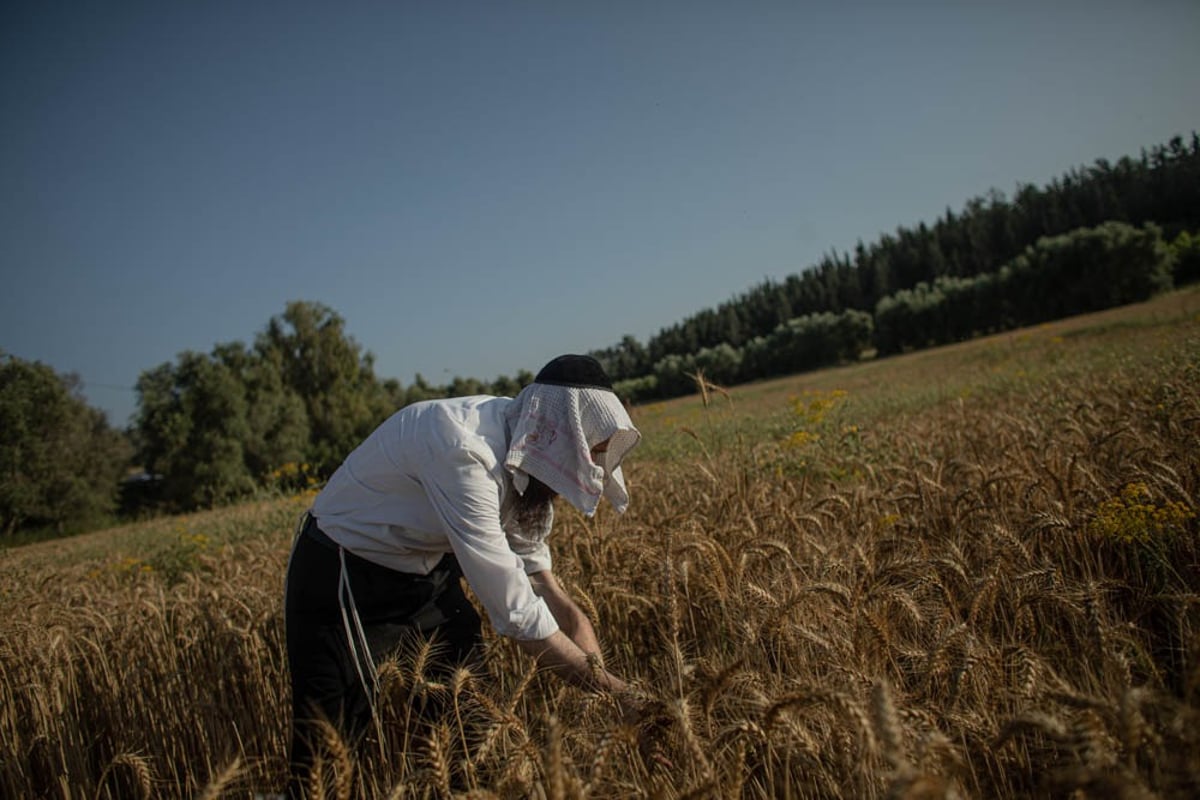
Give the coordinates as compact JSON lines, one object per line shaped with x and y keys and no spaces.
{"x":331,"y":675}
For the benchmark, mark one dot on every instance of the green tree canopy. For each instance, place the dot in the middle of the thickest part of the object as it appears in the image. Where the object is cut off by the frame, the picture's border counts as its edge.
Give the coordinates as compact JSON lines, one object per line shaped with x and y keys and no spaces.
{"x":218,"y":426}
{"x":60,"y":462}
{"x":193,"y":430}
{"x":331,"y":374}
{"x":276,"y":418}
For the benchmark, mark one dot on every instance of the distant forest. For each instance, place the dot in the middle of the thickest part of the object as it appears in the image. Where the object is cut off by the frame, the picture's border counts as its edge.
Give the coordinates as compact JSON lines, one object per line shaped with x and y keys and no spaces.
{"x":1162,"y":187}
{"x":281,"y":413}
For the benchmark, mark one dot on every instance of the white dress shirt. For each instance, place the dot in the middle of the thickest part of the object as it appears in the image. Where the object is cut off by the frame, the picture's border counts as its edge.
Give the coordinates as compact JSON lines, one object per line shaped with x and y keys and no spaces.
{"x":429,"y":481}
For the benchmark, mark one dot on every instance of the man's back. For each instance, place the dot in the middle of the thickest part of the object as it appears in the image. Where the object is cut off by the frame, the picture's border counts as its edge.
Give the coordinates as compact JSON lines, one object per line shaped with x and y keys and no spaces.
{"x":377,"y":503}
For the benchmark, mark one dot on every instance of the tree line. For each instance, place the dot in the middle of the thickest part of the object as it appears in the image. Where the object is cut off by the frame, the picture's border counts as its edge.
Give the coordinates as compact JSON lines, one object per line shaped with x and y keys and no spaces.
{"x":1087,"y":269}
{"x":210,"y":428}
{"x":1162,"y":187}
{"x":282,"y":412}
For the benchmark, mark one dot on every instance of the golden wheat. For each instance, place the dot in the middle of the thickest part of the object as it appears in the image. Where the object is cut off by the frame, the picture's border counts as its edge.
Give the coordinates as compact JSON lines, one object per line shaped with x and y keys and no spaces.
{"x":961,"y":597}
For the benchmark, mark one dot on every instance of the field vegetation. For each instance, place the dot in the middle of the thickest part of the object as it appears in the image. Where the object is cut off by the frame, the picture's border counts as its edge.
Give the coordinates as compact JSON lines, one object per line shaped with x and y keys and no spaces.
{"x":963,"y":572}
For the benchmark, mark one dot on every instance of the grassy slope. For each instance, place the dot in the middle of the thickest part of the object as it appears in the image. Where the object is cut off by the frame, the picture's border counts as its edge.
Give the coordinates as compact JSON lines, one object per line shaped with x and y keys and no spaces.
{"x":879,"y":390}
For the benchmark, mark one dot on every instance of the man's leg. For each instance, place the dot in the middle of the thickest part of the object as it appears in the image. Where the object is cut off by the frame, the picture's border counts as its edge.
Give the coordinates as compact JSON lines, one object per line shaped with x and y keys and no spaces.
{"x":427,"y":605}
{"x":325,"y":682}
{"x":445,"y":616}
{"x":460,"y":629}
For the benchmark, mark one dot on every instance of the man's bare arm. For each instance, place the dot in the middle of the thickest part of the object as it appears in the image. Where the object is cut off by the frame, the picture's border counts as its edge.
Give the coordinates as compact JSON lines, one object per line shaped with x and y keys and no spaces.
{"x":565,"y":659}
{"x":573,"y":652}
{"x":570,"y":617}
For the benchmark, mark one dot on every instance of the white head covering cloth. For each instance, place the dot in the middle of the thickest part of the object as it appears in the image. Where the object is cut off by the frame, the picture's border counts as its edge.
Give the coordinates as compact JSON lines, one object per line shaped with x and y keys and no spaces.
{"x":554,"y":429}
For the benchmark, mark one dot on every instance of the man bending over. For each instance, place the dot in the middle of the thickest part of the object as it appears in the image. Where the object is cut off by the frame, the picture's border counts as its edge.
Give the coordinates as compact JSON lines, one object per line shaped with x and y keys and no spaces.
{"x":443,"y":489}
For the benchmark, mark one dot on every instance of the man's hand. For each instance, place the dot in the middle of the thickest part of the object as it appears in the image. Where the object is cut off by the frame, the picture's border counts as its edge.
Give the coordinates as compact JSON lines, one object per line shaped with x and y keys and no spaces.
{"x":565,"y":659}
{"x":631,"y":705}
{"x":573,"y":652}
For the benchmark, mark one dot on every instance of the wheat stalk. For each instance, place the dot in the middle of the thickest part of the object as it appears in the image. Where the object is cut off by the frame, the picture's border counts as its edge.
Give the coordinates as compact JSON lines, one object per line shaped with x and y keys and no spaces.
{"x":221,"y":782}
{"x":139,"y":769}
{"x":437,"y":751}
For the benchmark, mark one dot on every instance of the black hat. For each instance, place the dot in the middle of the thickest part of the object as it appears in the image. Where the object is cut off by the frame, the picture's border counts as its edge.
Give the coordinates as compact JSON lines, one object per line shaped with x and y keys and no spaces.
{"x":581,"y":372}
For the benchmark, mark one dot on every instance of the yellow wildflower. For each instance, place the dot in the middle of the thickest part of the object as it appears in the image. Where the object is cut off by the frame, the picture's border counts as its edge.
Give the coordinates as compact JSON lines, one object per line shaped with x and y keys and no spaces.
{"x":1133,"y":516}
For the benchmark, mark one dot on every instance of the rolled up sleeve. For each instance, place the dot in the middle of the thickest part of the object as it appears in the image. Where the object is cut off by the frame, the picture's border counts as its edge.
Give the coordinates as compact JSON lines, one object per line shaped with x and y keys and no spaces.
{"x":467,"y":500}
{"x":531,"y":546}
{"x":537,"y":559}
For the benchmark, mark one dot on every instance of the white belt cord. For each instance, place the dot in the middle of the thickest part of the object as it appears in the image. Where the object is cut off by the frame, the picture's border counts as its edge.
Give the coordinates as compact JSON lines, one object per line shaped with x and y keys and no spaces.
{"x":356,"y":638}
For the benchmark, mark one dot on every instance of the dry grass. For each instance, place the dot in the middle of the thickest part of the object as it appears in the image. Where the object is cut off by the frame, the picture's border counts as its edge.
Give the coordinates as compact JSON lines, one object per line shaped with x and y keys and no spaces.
{"x":945,"y":588}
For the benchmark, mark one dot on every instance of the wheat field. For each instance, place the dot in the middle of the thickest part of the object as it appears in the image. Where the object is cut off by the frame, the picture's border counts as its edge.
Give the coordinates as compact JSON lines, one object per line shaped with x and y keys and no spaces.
{"x":968,"y":572}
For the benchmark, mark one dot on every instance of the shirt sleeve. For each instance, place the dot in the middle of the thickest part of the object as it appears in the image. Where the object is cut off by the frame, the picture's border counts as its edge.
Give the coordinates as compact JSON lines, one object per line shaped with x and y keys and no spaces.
{"x":467,"y":501}
{"x":537,"y":559}
{"x":533,"y":548}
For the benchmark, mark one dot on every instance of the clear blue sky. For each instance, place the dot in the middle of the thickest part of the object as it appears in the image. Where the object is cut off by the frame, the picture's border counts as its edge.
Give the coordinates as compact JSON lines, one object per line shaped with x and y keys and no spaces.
{"x":477,"y":187}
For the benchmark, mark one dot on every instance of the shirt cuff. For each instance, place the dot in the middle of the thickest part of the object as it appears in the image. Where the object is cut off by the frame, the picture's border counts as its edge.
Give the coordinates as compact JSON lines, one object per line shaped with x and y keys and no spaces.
{"x":530,"y":623}
{"x":536,"y":561}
